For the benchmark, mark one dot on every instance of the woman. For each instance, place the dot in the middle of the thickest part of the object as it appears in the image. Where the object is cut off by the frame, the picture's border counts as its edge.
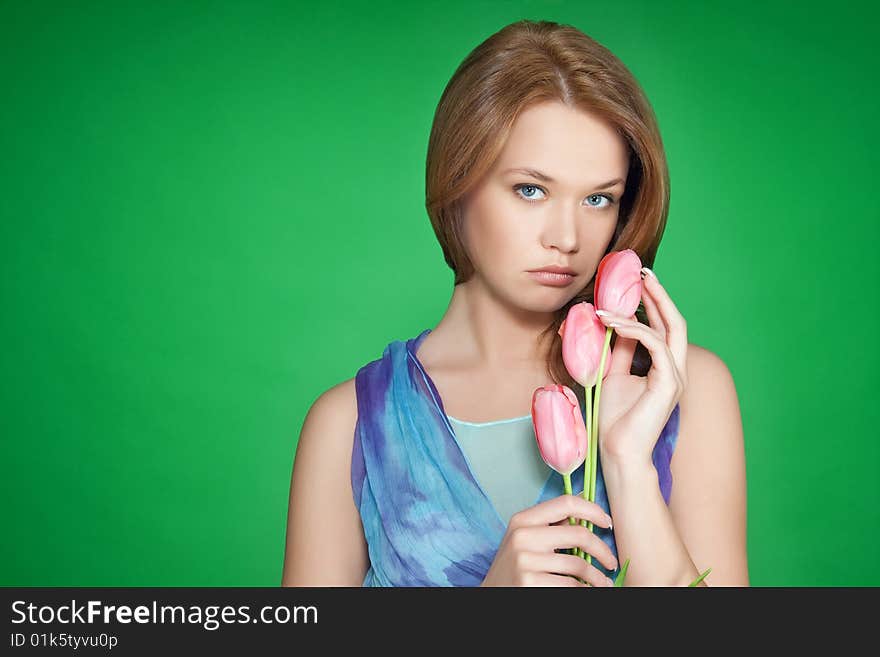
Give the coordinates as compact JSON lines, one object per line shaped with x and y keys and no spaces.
{"x":544,"y":153}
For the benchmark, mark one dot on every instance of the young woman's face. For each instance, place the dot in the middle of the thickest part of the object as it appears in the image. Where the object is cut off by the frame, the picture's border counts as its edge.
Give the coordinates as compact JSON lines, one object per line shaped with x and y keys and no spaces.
{"x":517,"y":221}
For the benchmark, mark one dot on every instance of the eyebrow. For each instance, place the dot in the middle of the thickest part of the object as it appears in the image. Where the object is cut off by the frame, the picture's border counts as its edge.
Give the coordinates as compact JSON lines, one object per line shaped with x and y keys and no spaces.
{"x":547,"y":179}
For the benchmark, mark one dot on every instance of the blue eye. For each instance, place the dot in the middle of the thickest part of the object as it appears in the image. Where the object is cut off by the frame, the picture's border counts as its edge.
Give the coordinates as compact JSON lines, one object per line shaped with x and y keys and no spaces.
{"x":605,"y":196}
{"x":527,"y":197}
{"x":531,"y":198}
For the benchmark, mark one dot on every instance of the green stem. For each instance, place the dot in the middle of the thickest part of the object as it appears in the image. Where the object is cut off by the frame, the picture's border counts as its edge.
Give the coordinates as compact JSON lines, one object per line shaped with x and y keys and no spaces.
{"x":566,"y":482}
{"x":700,"y":578}
{"x":588,"y":465}
{"x":594,"y":447}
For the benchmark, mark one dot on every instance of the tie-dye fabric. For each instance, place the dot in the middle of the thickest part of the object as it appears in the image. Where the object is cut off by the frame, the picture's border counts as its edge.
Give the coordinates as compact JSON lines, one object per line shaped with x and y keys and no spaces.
{"x":426,"y":519}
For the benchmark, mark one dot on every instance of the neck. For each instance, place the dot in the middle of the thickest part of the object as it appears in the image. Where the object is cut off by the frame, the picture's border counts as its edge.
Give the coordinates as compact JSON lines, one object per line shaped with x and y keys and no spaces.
{"x":489,"y":333}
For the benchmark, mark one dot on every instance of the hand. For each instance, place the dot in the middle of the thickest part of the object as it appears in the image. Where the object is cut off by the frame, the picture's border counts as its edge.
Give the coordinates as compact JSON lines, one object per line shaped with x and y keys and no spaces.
{"x":633,"y":409}
{"x":527,"y":554}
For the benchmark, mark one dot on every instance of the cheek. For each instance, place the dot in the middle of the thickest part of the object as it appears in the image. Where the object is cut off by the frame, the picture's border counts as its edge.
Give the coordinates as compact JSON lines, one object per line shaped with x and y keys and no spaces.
{"x":494,"y":229}
{"x":502,"y":240}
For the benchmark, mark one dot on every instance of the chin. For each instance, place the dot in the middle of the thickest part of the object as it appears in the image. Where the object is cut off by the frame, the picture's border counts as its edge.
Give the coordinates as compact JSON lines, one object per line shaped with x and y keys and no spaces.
{"x":547,"y":300}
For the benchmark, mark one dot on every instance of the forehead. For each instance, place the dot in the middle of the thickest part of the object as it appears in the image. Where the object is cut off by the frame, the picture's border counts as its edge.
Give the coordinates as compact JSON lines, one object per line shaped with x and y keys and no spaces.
{"x":567,"y":143}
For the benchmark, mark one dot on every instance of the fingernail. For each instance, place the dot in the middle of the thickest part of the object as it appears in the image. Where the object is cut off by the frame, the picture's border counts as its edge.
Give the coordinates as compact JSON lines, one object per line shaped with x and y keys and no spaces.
{"x":647,"y":271}
{"x":610,"y":524}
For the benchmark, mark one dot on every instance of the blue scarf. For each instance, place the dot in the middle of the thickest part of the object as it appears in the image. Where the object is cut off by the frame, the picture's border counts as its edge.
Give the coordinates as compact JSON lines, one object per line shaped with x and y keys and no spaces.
{"x":426,"y":519}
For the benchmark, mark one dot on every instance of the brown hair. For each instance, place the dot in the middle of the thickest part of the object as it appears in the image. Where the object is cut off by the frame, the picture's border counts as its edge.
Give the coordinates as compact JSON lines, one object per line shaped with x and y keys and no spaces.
{"x":524,"y":63}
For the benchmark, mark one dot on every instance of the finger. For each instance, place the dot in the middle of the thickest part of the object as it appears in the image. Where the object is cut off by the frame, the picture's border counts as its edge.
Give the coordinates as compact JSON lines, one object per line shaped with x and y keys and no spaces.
{"x":546,"y":579}
{"x":676,"y":326}
{"x":591,"y":544}
{"x":624,"y":350}
{"x":655,"y":319}
{"x":559,"y":508}
{"x":565,"y":564}
{"x":546,"y":539}
{"x":662,"y":360}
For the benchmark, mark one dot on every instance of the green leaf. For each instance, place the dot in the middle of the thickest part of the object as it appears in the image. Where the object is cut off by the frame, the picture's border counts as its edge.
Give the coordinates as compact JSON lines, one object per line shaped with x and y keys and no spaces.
{"x":622,"y":575}
{"x":700,"y":578}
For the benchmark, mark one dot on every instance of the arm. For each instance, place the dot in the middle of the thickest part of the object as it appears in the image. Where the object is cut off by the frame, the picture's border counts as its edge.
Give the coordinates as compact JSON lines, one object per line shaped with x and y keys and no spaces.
{"x":705,"y":523}
{"x":325,"y":538}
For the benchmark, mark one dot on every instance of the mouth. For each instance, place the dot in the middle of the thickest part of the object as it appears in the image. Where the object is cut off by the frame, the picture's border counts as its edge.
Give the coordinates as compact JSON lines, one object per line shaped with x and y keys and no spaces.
{"x":553,"y":278}
{"x":556,"y":269}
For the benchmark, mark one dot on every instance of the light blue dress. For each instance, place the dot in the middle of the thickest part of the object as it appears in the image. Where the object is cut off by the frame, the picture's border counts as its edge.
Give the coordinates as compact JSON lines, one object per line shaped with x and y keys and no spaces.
{"x":504,"y":458}
{"x":434,"y":504}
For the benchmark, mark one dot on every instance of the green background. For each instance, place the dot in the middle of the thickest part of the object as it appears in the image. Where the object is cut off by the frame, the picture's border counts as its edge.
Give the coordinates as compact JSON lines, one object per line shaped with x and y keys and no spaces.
{"x":206,"y":209}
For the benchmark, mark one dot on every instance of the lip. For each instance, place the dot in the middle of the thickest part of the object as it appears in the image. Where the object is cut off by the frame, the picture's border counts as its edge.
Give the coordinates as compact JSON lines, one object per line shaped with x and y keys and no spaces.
{"x":556,"y":269}
{"x":551,"y":278}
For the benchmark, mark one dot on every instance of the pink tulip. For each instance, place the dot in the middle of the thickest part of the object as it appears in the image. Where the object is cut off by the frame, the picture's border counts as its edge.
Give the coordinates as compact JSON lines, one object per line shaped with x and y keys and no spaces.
{"x":583,"y":336}
{"x":559,"y":428}
{"x":618,"y":286}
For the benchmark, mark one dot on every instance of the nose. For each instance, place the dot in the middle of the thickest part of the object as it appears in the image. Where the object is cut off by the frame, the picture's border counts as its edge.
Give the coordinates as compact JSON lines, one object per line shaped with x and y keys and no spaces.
{"x":561,"y":231}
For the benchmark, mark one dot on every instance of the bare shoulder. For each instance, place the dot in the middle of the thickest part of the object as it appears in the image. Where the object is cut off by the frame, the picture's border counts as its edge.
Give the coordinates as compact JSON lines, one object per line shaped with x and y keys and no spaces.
{"x":710,"y":398}
{"x":328,"y":427}
{"x":705,"y":364}
{"x":336,"y":404}
{"x":321,"y":553}
{"x":709,"y":405}
{"x":708,"y":501}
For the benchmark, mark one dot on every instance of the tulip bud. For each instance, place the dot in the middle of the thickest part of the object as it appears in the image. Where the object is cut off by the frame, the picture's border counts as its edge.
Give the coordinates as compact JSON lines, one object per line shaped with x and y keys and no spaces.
{"x":583,"y":336}
{"x":559,"y":428}
{"x":618,"y":287}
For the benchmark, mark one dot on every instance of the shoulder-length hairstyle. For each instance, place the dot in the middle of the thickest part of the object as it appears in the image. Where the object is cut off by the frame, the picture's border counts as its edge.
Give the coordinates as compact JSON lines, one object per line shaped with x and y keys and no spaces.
{"x":525,"y":63}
